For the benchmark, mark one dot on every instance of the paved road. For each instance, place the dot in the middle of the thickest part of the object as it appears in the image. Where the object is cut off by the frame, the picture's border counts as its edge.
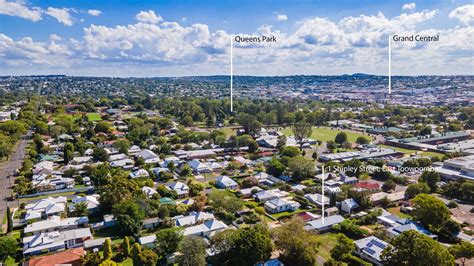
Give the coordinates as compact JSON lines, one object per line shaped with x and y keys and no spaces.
{"x":7,"y":177}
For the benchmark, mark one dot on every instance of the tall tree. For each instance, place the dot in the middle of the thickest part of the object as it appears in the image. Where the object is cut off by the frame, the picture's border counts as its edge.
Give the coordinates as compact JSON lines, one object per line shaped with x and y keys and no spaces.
{"x":297,"y":245}
{"x":168,"y":240}
{"x":413,"y":248}
{"x":192,"y":252}
{"x":9,"y":220}
{"x":68,"y":152}
{"x":8,"y":247}
{"x":431,"y":212}
{"x":430,"y":178}
{"x":340,"y":138}
{"x":107,"y":249}
{"x":126,"y":250}
{"x":302,"y":131}
{"x":343,"y":248}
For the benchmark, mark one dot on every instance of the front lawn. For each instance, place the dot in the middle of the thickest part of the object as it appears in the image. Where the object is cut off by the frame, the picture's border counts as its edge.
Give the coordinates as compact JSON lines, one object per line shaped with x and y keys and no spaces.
{"x":327,"y":242}
{"x":94,"y":117}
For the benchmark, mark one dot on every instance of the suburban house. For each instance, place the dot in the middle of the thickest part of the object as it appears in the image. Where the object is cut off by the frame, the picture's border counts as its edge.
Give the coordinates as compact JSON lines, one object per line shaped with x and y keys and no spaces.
{"x":206,"y":229}
{"x":317,"y":199}
{"x":149,"y":191}
{"x":45,"y":207}
{"x":193,"y":218}
{"x":247,"y":192}
{"x":266,"y":195}
{"x":199,"y":167}
{"x":370,"y":248}
{"x":92,"y":202}
{"x":325,"y":226}
{"x":180,"y":188}
{"x":139,"y":173}
{"x":280,"y":205}
{"x":55,"y":241}
{"x":71,"y":257}
{"x":226,"y":182}
{"x":349,"y":205}
{"x":149,"y":156}
{"x":55,"y":223}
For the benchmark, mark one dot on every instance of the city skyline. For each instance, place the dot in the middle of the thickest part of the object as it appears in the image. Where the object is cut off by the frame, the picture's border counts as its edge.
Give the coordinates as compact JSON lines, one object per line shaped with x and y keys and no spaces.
{"x":185,"y":39}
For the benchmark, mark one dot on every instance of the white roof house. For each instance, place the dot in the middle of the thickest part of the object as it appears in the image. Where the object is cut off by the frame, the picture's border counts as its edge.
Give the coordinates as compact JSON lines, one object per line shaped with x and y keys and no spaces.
{"x":91,"y":200}
{"x":317,"y":199}
{"x":266,"y":195}
{"x":349,"y":205}
{"x":193,"y":218}
{"x":226,"y":182}
{"x":149,"y":191}
{"x":170,"y":159}
{"x":321,"y":226}
{"x":55,"y":223}
{"x":149,"y":156}
{"x":53,"y":241}
{"x":122,"y":163}
{"x":134,"y":150}
{"x":180,"y":188}
{"x":45,"y":207}
{"x":148,"y":241}
{"x":116,"y":157}
{"x":248,"y":191}
{"x":139,"y":173}
{"x":199,"y":167}
{"x":280,"y":205}
{"x":206,"y":229}
{"x":370,"y":248}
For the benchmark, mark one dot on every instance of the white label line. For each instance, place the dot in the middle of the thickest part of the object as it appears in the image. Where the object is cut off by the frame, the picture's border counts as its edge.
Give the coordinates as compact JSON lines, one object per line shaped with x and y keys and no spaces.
{"x":389,"y":64}
{"x":322,"y":192}
{"x":231,"y":73}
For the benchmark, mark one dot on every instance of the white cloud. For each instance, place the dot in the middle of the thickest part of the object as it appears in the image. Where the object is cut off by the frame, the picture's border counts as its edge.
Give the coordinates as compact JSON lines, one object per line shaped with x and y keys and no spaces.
{"x":409,"y":6}
{"x":317,"y":46}
{"x":19,"y":9}
{"x":149,"y":17}
{"x":62,"y":15}
{"x":281,"y":17}
{"x":94,"y":12}
{"x":465,"y":14}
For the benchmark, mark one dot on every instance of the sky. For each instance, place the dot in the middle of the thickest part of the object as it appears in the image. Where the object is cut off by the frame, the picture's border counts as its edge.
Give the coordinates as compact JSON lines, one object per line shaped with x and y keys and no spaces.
{"x":186,"y":38}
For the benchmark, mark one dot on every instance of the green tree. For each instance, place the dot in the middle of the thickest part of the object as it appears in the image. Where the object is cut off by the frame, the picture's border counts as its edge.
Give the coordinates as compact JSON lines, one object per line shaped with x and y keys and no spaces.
{"x":168,"y":240}
{"x":80,"y":209}
{"x":68,"y":152}
{"x":389,"y":185}
{"x":301,"y":167}
{"x":148,"y":258}
{"x":275,"y":167}
{"x":136,"y":253}
{"x":289,"y":151}
{"x":297,"y":245}
{"x":413,"y":248}
{"x":281,"y":142}
{"x":463,"y":251}
{"x":129,"y":217}
{"x":9,"y":220}
{"x":331,"y":145}
{"x":107,"y":249}
{"x":8,"y":247}
{"x":430,"y":211}
{"x":362,"y":140}
{"x":340,"y":138}
{"x":430,"y":178}
{"x":244,"y":246}
{"x":343,"y":248}
{"x":126,"y":250}
{"x":192,"y":252}
{"x":302,"y":131}
{"x":100,"y":155}
{"x":122,"y":145}
{"x":91,"y":259}
{"x":222,"y":200}
{"x":416,"y":189}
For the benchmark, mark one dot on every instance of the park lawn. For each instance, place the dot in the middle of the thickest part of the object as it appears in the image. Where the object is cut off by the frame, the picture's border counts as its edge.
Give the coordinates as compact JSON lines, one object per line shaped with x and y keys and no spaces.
{"x":326,"y":134}
{"x":94,"y":117}
{"x":327,"y":242}
{"x":228,"y":131}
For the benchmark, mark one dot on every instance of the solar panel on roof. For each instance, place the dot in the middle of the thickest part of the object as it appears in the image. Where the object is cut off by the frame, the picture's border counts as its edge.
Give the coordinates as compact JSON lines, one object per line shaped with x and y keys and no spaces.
{"x":370,"y":251}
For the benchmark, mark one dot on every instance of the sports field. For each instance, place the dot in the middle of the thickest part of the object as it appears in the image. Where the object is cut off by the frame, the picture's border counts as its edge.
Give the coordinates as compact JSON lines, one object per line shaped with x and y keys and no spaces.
{"x":326,"y":134}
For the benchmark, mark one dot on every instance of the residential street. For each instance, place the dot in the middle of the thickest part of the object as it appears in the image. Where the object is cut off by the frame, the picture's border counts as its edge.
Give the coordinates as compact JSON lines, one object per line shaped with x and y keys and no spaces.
{"x":7,"y":170}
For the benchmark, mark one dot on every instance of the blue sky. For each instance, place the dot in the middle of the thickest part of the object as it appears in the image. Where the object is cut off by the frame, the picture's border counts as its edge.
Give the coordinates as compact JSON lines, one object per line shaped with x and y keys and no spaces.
{"x":176,"y":38}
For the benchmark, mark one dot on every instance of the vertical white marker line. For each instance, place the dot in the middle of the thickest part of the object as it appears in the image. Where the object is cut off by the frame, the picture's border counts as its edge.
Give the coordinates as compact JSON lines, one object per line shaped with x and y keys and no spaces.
{"x":322,"y":190}
{"x":231,"y":73}
{"x":389,"y":64}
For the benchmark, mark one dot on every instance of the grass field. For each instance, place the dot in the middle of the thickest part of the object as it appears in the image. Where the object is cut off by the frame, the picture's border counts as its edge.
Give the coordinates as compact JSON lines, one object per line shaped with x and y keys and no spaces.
{"x":396,"y":211}
{"x":326,"y":134}
{"x":327,"y":242}
{"x":94,"y":117}
{"x":408,"y":151}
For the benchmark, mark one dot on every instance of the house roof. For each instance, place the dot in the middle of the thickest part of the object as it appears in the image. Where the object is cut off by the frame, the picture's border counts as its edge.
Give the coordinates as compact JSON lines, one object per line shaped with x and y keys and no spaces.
{"x":328,"y":222}
{"x":67,"y":257}
{"x":226,"y":181}
{"x":371,"y":246}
